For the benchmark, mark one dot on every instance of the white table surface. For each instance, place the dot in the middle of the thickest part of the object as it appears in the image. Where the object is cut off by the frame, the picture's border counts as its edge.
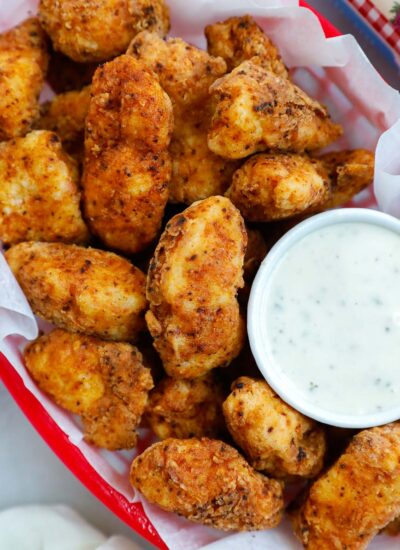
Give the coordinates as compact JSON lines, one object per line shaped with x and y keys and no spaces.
{"x":30,"y":472}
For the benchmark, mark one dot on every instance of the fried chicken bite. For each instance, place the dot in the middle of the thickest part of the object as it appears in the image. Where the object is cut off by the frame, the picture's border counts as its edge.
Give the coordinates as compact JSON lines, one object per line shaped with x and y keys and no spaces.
{"x":350,"y":172}
{"x":275,"y":186}
{"x":97,"y":30}
{"x":276,"y":439}
{"x":187,"y":408}
{"x":23,"y":65}
{"x":238,"y":39}
{"x":104,"y":382}
{"x":192,"y":283}
{"x":208,"y":482}
{"x":127,"y":165}
{"x":186,"y":74}
{"x":65,"y":115}
{"x":355,"y":498}
{"x":258,"y":110}
{"x":65,"y":75}
{"x":39,"y":196}
{"x":81,"y":289}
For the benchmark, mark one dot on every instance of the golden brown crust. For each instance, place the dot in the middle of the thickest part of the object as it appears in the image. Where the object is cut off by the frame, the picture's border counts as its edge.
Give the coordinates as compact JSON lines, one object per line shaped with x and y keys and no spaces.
{"x":65,"y":115}
{"x":127,"y":165}
{"x":187,"y":408}
{"x":104,"y":382}
{"x":238,"y":39}
{"x":39,"y":197}
{"x":191,"y":286}
{"x":81,"y":289}
{"x":23,"y":65}
{"x":97,"y":30}
{"x":186,"y":74}
{"x":275,"y":186}
{"x":258,"y":110}
{"x":276,"y":438}
{"x":207,"y":482}
{"x":350,"y":173}
{"x":355,"y":498}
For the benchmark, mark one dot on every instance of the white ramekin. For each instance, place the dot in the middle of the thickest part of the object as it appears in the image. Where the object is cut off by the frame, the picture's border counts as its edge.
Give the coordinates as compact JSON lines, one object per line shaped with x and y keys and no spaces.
{"x":257,"y":318}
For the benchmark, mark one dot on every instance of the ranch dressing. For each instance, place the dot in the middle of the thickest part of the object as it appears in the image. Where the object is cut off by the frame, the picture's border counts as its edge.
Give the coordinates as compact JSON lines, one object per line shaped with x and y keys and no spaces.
{"x":333,"y":318}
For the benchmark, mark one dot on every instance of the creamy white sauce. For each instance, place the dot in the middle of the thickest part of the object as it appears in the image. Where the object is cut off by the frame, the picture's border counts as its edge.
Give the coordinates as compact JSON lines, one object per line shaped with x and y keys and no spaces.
{"x":333,"y":318}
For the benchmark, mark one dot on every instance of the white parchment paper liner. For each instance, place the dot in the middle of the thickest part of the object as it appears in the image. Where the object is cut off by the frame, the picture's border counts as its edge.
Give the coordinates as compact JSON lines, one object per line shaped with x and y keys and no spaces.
{"x":336,"y":72}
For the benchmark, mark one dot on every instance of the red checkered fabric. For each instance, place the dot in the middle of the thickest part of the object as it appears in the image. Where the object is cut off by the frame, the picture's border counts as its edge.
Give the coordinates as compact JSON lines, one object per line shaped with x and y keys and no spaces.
{"x":382,"y":25}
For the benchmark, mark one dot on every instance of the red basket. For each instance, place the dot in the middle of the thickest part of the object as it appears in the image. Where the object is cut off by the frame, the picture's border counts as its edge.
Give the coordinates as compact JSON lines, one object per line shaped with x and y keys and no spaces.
{"x":131,"y":513}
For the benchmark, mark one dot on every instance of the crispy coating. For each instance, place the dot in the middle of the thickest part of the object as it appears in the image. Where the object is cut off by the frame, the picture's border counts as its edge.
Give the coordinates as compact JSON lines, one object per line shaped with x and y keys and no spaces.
{"x":127,"y":165}
{"x":187,"y":408}
{"x":350,"y":173}
{"x":258,"y":110}
{"x":275,"y":186}
{"x":186,"y":74}
{"x":207,"y":482}
{"x":104,"y":382}
{"x":39,"y":197}
{"x":276,"y":439}
{"x":23,"y":65}
{"x":97,"y":30}
{"x":192,"y":283}
{"x":256,"y":251}
{"x":65,"y":75}
{"x":355,"y":498}
{"x":65,"y":115}
{"x":81,"y":289}
{"x":238,"y":39}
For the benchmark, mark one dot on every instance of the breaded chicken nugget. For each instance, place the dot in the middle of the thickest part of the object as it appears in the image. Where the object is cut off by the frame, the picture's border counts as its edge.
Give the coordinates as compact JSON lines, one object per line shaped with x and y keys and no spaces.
{"x":258,"y":110}
{"x":81,"y":289}
{"x":207,"y":482}
{"x":187,"y":408}
{"x":23,"y":65}
{"x":65,"y":75}
{"x":350,"y":172}
{"x":65,"y":115}
{"x":104,"y":382}
{"x":186,"y":74}
{"x":97,"y":30}
{"x":192,"y":283}
{"x":275,"y":186}
{"x":238,"y":39}
{"x":276,"y":439}
{"x":39,"y":197}
{"x":127,"y":165}
{"x":355,"y":498}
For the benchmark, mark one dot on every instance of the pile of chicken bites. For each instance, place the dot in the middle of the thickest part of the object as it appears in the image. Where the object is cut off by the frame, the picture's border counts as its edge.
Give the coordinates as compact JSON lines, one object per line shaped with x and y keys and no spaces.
{"x":136,"y":207}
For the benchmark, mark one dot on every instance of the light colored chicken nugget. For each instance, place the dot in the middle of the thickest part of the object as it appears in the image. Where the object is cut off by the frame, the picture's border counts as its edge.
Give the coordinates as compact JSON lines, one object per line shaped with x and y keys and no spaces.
{"x":39,"y":197}
{"x":238,"y":39}
{"x":350,"y":173}
{"x":275,"y":438}
{"x":97,"y":30}
{"x":355,"y":498}
{"x":127,"y":165}
{"x":258,"y":110}
{"x":104,"y":382}
{"x":65,"y":115}
{"x":81,"y":289}
{"x":207,"y":482}
{"x":23,"y":65}
{"x":275,"y":186}
{"x":186,"y":74}
{"x":187,"y":408}
{"x":192,"y":283}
